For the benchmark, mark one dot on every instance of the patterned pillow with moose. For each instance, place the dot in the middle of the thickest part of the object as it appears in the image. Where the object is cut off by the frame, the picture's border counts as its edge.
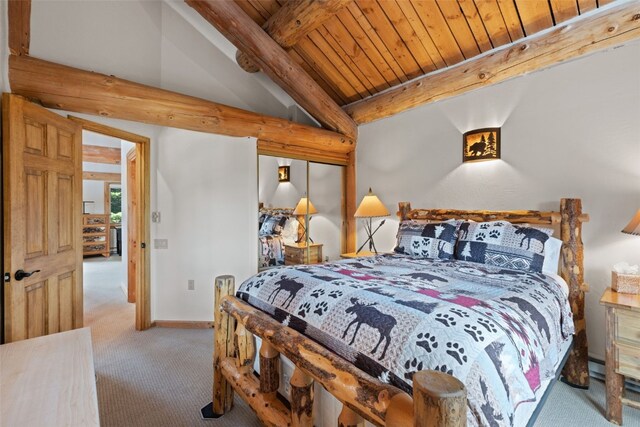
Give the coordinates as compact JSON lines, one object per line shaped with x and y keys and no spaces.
{"x":433,"y":240}
{"x":503,"y":244}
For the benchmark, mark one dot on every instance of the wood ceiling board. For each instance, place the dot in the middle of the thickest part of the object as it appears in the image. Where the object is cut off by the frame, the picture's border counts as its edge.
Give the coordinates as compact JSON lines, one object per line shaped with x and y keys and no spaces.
{"x":382,"y":26}
{"x":563,"y":10}
{"x":270,"y":6}
{"x":476,"y":25}
{"x":459,"y":27}
{"x":260,"y":9}
{"x":408,"y":36}
{"x":100,"y":154}
{"x":339,"y":38}
{"x":349,"y":71}
{"x":363,"y":44}
{"x":511,"y":19}
{"x":587,"y":5}
{"x":250,"y":10}
{"x":375,"y":39}
{"x":318,"y":78}
{"x":494,"y":22}
{"x":326,"y":69}
{"x":612,"y":27}
{"x":438,"y":29}
{"x":534,"y":15}
{"x":421,"y":32}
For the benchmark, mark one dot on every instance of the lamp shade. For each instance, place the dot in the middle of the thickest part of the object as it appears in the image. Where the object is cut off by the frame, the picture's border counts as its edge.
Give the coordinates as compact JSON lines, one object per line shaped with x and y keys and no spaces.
{"x":301,"y":207}
{"x":371,"y":206}
{"x":634,"y":226}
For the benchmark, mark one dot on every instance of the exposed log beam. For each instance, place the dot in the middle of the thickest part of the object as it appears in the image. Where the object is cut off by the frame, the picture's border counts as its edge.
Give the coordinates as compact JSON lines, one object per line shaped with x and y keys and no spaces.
{"x":294,"y":20}
{"x":101,"y":176}
{"x":19,"y":13}
{"x":99,"y":154}
{"x":247,"y":36}
{"x":608,"y":27}
{"x":72,"y":89}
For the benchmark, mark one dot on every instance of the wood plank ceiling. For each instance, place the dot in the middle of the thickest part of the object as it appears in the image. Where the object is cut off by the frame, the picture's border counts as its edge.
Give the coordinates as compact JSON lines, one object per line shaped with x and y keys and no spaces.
{"x":372,"y":45}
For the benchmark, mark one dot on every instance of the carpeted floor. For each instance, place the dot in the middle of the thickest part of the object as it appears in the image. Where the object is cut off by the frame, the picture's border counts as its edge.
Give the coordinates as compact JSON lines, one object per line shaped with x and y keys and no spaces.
{"x":162,"y":377}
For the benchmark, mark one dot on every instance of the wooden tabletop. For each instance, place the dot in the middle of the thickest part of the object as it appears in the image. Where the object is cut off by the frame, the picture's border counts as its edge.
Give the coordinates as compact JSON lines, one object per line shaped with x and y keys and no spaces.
{"x":49,"y":381}
{"x":359,"y":254}
{"x":616,"y":299}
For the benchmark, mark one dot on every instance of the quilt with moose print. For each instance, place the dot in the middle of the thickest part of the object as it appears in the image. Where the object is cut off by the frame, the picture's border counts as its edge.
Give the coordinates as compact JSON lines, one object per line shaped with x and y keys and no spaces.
{"x":500,"y":331}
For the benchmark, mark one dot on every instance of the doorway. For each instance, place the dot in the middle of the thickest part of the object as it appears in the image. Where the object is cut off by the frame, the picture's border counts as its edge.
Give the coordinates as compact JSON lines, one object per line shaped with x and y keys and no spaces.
{"x":124,"y":177}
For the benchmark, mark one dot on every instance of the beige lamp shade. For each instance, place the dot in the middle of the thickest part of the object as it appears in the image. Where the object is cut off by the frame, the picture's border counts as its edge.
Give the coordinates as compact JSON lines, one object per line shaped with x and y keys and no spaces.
{"x":301,"y":207}
{"x":634,"y":226}
{"x":370,"y":207}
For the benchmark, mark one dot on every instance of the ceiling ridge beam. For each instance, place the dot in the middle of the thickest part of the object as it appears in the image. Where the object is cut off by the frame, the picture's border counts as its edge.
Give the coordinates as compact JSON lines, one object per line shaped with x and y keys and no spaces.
{"x":72,"y":89}
{"x":603,"y":28}
{"x":249,"y":37}
{"x":293,"y":21}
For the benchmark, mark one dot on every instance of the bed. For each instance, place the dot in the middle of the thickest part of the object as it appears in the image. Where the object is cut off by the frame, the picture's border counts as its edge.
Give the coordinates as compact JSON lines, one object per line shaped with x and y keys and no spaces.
{"x":400,"y":340}
{"x":271,"y":243}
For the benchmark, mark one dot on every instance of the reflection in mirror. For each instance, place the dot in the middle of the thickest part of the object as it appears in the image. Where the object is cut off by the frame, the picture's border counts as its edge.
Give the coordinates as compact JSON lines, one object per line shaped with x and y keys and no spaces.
{"x":325,"y":191}
{"x":279,"y":227}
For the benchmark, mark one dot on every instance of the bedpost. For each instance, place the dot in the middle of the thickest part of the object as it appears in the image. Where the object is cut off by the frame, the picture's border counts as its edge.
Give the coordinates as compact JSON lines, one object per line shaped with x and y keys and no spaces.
{"x":301,"y":399}
{"x":269,"y":369}
{"x":403,"y":210}
{"x":576,"y":370}
{"x":440,"y":400}
{"x":224,"y":328}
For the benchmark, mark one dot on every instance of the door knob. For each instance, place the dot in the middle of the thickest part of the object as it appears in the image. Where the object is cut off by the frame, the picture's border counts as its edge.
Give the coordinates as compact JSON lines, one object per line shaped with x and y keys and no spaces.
{"x":21,"y":274}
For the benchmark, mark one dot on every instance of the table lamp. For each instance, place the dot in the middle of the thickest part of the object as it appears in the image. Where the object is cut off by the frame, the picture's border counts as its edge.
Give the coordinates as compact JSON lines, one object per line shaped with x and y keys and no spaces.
{"x":301,"y":210}
{"x":634,"y":225}
{"x":371,"y":207}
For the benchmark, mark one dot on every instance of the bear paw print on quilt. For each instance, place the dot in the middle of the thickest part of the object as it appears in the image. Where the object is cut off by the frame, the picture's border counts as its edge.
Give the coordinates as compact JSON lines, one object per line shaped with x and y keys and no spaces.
{"x":433,"y":240}
{"x":503,"y":244}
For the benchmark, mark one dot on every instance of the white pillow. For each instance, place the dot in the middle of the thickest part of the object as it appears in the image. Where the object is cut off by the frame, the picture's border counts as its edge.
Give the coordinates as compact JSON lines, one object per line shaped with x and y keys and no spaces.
{"x":552,"y":251}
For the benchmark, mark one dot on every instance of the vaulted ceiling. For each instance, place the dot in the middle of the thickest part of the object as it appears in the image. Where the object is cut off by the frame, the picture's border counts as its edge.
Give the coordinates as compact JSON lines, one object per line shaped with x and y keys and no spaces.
{"x":372,"y":45}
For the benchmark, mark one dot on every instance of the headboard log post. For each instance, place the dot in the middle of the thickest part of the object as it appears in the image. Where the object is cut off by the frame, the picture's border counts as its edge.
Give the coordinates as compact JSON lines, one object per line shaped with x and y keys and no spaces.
{"x":440,"y":400}
{"x":224,"y":346}
{"x":301,"y":399}
{"x":576,"y":370}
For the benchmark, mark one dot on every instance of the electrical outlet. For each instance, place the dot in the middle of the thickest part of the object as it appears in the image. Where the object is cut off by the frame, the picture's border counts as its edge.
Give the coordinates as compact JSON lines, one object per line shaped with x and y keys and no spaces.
{"x":155,"y":216}
{"x":191,"y":285}
{"x":161,"y":243}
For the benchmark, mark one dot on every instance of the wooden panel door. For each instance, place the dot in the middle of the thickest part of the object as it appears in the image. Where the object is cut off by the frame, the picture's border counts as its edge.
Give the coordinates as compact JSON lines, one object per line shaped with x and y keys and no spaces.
{"x":133,"y":247}
{"x":42,"y":173}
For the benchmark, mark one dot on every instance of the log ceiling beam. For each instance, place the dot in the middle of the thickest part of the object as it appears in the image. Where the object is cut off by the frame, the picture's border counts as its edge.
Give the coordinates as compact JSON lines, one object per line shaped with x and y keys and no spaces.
{"x":71,"y":89}
{"x":607,"y":27}
{"x":294,"y":20}
{"x":246,"y":35}
{"x":101,"y":176}
{"x":99,"y":154}
{"x":19,"y":14}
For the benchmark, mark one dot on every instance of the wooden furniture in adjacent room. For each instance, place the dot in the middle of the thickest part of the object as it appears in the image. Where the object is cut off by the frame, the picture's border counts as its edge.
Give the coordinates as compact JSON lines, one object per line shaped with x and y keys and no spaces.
{"x":49,"y":381}
{"x":622,"y":358}
{"x":296,"y":253}
{"x":95,"y":234}
{"x":358,"y":254}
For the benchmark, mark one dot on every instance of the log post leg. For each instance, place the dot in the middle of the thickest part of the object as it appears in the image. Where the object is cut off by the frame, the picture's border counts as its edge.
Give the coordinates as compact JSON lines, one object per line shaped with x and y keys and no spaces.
{"x":269,"y":369}
{"x":614,"y":381}
{"x":224,"y":346}
{"x":246,"y":349}
{"x":440,"y":400}
{"x":348,"y":418}
{"x":576,"y":369}
{"x":301,"y":399}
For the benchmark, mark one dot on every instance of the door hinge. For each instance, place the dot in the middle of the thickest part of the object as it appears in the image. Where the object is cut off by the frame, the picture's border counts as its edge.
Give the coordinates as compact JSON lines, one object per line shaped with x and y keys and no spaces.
{"x":143,"y":245}
{"x":7,"y":277}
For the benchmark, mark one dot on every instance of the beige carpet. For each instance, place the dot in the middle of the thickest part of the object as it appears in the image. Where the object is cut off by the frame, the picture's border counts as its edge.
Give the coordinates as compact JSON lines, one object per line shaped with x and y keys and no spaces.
{"x":162,"y":377}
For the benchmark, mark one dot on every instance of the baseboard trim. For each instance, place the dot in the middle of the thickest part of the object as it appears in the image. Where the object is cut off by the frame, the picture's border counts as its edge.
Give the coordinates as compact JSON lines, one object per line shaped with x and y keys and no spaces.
{"x":182,"y":324}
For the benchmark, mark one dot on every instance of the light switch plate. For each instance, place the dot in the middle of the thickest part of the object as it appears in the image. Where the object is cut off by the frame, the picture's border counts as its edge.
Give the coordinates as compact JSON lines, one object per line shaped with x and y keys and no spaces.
{"x":191,"y":285}
{"x":161,"y":243}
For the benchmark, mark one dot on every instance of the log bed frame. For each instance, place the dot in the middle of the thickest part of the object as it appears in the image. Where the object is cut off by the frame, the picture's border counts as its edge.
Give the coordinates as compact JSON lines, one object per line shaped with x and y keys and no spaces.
{"x":438,"y":399}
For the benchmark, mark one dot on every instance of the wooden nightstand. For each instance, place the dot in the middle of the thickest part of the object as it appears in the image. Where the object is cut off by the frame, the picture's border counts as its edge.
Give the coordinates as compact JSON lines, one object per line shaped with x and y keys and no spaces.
{"x":622,"y":356}
{"x":296,"y":253}
{"x":358,"y":254}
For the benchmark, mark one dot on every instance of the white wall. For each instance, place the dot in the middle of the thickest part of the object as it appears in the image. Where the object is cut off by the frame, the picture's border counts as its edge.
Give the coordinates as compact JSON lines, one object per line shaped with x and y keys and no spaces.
{"x":93,"y":191}
{"x":207,"y":198}
{"x":569,"y":131}
{"x":275,"y":194}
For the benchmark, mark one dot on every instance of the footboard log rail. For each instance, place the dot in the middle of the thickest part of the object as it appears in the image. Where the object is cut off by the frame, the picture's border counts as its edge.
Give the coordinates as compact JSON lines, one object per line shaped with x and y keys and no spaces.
{"x":439,"y":399}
